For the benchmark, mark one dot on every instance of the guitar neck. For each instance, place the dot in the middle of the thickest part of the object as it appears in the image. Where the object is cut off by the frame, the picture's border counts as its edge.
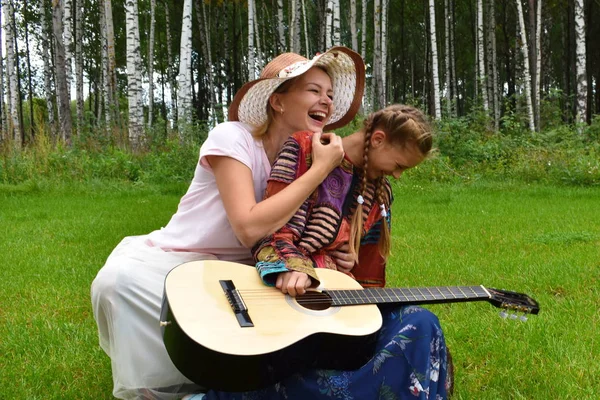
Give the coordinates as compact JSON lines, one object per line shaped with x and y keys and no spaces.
{"x":416,"y":295}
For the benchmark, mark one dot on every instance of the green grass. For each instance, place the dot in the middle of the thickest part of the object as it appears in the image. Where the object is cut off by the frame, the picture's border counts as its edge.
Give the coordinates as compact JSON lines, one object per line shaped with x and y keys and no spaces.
{"x":536,"y":239}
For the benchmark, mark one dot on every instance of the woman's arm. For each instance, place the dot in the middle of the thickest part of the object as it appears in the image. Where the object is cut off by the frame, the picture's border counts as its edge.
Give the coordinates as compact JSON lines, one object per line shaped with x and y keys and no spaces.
{"x":251,"y":221}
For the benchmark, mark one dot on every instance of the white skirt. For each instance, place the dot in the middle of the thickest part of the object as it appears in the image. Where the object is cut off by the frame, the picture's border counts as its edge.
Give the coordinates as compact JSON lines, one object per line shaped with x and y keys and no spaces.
{"x":126,"y":299}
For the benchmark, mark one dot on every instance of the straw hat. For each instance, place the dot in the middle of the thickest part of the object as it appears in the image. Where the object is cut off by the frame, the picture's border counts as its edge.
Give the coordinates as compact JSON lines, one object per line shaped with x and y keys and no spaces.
{"x":345,"y":67}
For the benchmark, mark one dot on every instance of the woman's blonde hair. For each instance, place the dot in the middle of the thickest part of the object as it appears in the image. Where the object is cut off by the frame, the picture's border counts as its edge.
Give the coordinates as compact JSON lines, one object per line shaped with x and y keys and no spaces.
{"x":402,"y":125}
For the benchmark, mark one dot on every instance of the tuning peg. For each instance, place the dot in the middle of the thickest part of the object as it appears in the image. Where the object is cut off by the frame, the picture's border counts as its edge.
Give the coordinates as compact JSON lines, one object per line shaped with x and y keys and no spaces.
{"x":512,"y":316}
{"x":503,"y":314}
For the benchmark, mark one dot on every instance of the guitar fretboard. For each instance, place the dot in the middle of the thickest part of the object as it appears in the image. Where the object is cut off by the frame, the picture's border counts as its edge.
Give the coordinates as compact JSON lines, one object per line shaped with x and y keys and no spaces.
{"x":413,"y":295}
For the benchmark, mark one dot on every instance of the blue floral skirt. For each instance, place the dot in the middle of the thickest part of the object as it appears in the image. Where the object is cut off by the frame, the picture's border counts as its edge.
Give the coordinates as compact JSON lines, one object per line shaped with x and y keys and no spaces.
{"x":410,"y":363}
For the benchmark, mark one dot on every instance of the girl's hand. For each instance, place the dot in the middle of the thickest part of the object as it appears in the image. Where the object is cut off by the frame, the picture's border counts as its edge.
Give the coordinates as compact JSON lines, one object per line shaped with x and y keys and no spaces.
{"x":327,"y":155}
{"x":293,"y":283}
{"x":343,"y":258}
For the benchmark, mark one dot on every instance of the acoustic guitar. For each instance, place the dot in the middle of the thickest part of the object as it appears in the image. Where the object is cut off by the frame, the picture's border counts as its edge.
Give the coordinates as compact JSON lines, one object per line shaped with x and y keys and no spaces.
{"x":225,"y":330}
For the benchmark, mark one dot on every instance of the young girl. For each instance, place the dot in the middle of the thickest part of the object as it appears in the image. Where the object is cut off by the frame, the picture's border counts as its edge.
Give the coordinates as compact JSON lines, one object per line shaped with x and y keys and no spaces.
{"x":353,"y":204}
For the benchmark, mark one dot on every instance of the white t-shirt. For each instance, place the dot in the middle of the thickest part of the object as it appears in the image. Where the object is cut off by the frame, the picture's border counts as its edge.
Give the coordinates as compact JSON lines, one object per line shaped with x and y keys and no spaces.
{"x":200,"y":223}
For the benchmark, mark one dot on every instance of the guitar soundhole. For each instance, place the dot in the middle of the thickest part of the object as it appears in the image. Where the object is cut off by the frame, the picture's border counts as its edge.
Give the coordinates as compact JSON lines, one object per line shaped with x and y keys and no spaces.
{"x":314,"y":300}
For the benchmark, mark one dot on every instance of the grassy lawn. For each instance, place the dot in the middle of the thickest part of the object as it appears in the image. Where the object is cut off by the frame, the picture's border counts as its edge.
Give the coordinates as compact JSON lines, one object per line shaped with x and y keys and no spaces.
{"x":540,"y":240}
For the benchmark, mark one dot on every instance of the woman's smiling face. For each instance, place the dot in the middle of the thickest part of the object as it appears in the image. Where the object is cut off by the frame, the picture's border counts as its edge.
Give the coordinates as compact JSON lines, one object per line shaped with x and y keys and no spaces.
{"x":307,"y":104}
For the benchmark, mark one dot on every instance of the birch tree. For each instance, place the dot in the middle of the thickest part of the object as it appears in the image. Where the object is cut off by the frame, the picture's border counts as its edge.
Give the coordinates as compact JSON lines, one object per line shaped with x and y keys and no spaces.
{"x":68,"y":40}
{"x":481,"y":78}
{"x":304,"y":18}
{"x":538,"y":63}
{"x":434,"y":62}
{"x":134,"y":74}
{"x":112,"y":106}
{"x":295,"y":7}
{"x":79,"y":61}
{"x":3,"y":128}
{"x":45,"y":43}
{"x":329,"y":24}
{"x":353,"y":35}
{"x":184,"y":94}
{"x":336,"y":23}
{"x":251,"y":49}
{"x":376,"y":55}
{"x":492,"y":70}
{"x":580,"y":67}
{"x":526,"y":74}
{"x":363,"y":47}
{"x":447,"y":77}
{"x":171,"y":62}
{"x":384,"y":40}
{"x":280,"y":28}
{"x":62,"y":93}
{"x":151,"y":63}
{"x":14,"y":127}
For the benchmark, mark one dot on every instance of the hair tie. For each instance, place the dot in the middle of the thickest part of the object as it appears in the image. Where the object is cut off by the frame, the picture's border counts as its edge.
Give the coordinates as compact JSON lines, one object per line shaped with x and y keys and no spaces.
{"x":360,"y":199}
{"x":384,"y":213}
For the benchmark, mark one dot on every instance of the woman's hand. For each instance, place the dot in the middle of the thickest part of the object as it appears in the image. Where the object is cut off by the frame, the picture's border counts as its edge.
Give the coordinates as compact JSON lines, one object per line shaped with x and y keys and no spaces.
{"x":329,"y":154}
{"x":293,"y":283}
{"x":343,"y":258}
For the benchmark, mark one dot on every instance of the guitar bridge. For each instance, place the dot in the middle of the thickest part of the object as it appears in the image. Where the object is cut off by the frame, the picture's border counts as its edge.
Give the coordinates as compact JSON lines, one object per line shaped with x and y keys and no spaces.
{"x":237,"y":303}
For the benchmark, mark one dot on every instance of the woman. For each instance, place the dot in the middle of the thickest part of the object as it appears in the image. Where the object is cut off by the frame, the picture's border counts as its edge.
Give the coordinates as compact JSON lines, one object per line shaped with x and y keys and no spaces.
{"x":221,"y":214}
{"x":352,"y":204}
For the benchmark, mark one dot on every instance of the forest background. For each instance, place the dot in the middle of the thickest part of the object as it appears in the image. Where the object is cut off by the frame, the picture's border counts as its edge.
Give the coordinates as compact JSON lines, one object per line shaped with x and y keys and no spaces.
{"x":92,"y":149}
{"x":519,"y":97}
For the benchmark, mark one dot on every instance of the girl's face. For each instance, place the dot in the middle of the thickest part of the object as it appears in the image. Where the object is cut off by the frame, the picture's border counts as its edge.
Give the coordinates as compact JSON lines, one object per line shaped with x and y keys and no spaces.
{"x":307,"y":104}
{"x":387,"y":159}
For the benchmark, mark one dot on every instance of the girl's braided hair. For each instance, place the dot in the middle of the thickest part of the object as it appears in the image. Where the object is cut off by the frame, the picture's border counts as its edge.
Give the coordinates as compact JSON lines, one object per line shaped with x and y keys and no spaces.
{"x":403,"y":125}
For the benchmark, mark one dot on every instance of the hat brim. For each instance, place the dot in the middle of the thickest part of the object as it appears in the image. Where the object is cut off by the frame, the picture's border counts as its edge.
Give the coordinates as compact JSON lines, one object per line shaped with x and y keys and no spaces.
{"x":347,"y":71}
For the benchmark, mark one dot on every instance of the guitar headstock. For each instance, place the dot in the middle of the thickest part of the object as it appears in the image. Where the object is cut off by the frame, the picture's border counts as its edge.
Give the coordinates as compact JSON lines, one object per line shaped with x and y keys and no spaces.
{"x":513,"y":301}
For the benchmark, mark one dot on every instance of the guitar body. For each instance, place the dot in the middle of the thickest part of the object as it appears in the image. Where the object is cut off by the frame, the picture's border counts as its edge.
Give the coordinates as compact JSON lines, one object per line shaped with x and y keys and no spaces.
{"x":210,"y":345}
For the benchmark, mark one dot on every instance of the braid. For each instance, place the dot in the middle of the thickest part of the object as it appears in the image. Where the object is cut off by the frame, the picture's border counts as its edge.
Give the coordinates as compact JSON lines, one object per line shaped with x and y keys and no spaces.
{"x":356,"y":226}
{"x":384,"y":201}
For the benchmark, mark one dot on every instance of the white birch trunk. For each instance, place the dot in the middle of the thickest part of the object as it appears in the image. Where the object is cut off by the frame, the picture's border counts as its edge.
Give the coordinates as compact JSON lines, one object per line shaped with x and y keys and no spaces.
{"x":336,"y":23}
{"x":134,"y":81}
{"x":251,"y":50}
{"x":492,"y":78}
{"x":68,"y":41}
{"x":111,"y":73}
{"x":62,"y":92}
{"x":538,"y":62}
{"x":580,"y":67}
{"x":383,"y":80}
{"x":304,"y":19}
{"x":376,"y":55}
{"x":151,"y":63}
{"x":329,"y":24}
{"x":447,"y":91}
{"x":14,"y":126}
{"x":454,"y":80}
{"x":353,"y":25}
{"x":105,"y":87}
{"x":280,"y":27}
{"x":79,"y":61}
{"x":363,"y":47}
{"x":171,"y":68}
{"x":257,"y":49}
{"x":44,"y":39}
{"x":434,"y":62}
{"x":3,"y":131}
{"x":295,"y":25}
{"x":526,"y":74}
{"x":184,"y":95}
{"x":482,"y":79}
